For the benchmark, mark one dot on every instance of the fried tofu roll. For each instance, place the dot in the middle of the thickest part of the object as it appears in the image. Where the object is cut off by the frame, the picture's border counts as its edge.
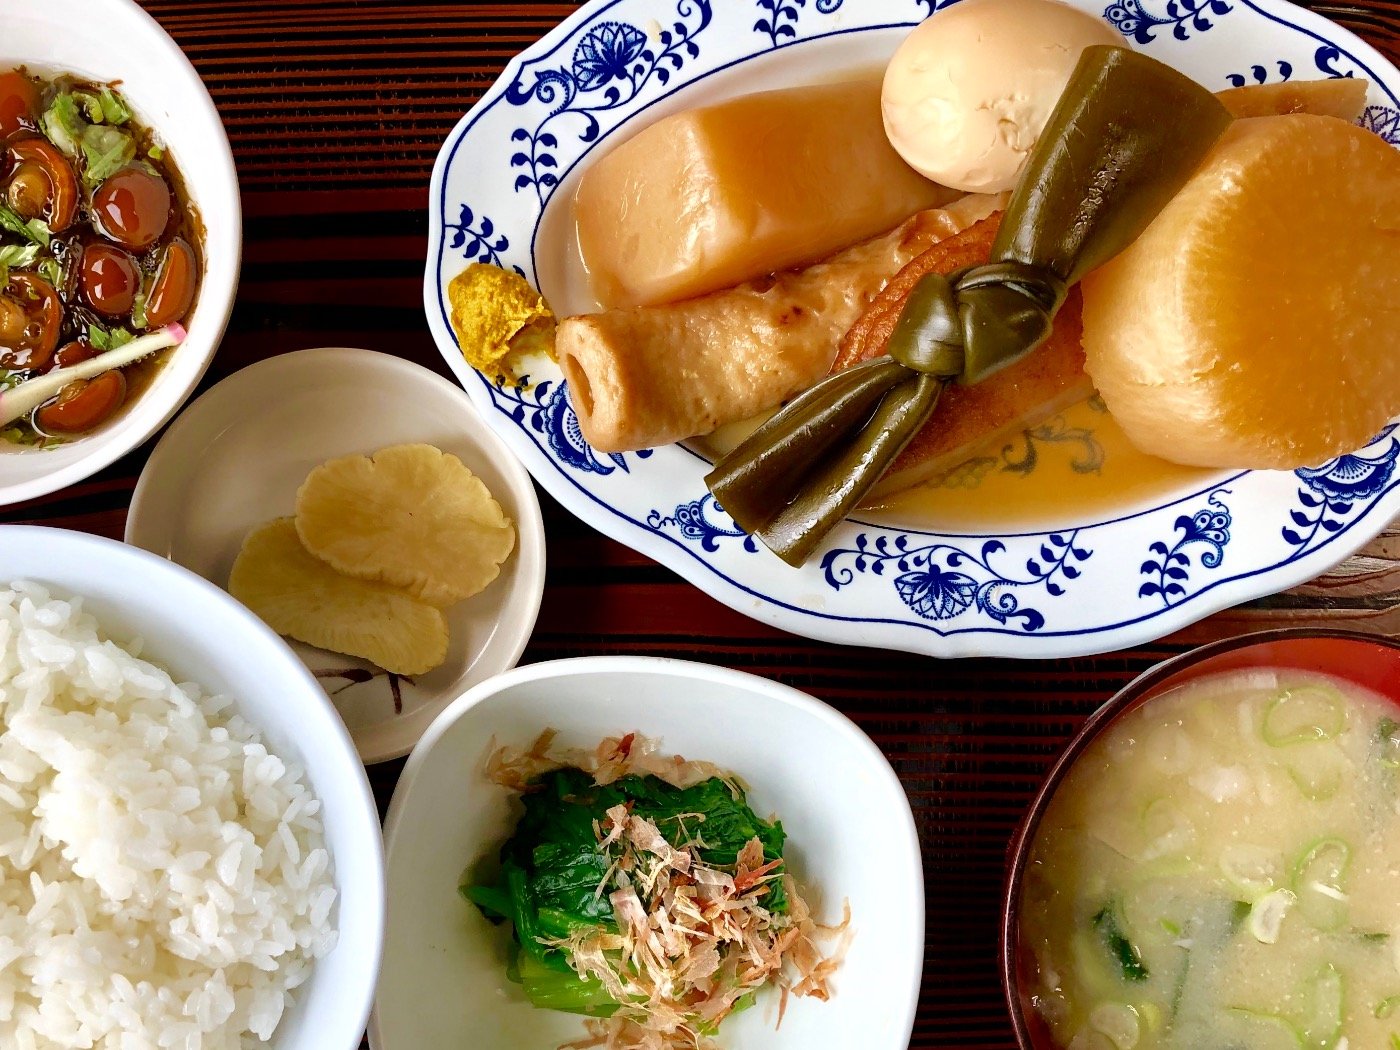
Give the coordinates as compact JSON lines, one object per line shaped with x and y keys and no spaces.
{"x":649,"y":376}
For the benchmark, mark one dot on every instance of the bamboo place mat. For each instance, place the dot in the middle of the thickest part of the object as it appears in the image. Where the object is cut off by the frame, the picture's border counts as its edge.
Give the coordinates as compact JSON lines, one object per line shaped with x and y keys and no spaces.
{"x":336,"y":110}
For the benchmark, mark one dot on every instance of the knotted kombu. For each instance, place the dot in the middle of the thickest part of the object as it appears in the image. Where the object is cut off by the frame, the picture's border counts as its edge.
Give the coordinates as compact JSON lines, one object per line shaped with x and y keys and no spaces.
{"x":1125,"y":136}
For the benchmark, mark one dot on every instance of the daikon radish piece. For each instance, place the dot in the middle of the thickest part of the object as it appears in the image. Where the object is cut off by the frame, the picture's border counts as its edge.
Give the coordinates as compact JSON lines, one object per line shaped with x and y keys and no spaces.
{"x":651,"y":375}
{"x":1343,"y":97}
{"x":712,"y":197}
{"x":1255,"y":322}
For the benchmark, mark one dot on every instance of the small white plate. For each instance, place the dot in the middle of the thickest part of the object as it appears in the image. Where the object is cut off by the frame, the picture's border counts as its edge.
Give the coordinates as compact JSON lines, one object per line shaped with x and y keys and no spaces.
{"x":236,"y":458}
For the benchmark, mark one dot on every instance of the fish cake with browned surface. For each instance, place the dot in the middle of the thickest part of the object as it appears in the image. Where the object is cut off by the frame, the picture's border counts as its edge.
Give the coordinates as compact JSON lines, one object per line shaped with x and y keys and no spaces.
{"x":969,"y":417}
{"x":651,"y":375}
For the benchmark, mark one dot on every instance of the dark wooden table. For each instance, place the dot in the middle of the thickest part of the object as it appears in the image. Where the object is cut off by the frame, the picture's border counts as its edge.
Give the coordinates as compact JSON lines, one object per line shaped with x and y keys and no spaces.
{"x":336,"y":110}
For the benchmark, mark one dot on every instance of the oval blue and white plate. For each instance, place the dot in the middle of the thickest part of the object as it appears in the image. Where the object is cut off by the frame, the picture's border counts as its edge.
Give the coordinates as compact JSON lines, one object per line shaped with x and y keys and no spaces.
{"x":1062,"y":586}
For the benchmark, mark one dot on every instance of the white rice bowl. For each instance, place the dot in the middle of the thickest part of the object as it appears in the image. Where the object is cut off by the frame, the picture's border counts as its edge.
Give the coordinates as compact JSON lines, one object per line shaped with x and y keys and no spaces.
{"x":164,"y":880}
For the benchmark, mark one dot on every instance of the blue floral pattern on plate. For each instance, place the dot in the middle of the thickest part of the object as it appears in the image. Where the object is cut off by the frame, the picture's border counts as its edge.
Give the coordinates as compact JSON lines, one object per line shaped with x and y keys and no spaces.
{"x":703,"y":521}
{"x":477,"y":241}
{"x":1069,"y":587}
{"x":1136,"y":19}
{"x":778,"y":19}
{"x":1332,"y":494}
{"x":545,"y":408}
{"x":611,"y":64}
{"x":1171,"y":568}
{"x":941,"y":581}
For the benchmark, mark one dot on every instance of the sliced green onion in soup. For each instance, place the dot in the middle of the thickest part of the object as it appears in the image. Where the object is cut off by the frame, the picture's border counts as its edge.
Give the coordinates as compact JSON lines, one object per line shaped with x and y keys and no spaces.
{"x":1159,"y":910}
{"x":1318,"y":880}
{"x":1323,"y":1024}
{"x":1118,"y":1022}
{"x":1317,"y":770}
{"x":1266,"y":915}
{"x":1304,"y":714}
{"x":1251,"y":870}
{"x":1165,"y":829}
{"x":1269,"y":1031}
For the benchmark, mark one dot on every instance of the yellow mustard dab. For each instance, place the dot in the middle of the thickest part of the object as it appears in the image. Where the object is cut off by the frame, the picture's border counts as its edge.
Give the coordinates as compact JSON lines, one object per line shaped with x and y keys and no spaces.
{"x":497,"y":316}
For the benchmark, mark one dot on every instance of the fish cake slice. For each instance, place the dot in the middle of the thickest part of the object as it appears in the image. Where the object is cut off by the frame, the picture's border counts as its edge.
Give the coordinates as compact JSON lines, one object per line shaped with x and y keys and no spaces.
{"x":970,"y":417}
{"x":647,"y":376}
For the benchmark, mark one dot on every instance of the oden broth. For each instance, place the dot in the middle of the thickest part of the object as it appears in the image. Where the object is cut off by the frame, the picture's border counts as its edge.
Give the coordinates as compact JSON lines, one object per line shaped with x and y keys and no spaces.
{"x":1077,"y":466}
{"x":1221,"y":871}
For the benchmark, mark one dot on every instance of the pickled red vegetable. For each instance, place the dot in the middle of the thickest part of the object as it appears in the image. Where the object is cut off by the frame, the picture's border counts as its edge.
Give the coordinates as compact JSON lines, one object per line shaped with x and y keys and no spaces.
{"x":84,"y":405}
{"x":19,"y":101}
{"x":173,"y":290}
{"x":43,"y":185}
{"x":97,"y":245}
{"x":132,"y":208}
{"x":31,"y":315}
{"x":109,"y":278}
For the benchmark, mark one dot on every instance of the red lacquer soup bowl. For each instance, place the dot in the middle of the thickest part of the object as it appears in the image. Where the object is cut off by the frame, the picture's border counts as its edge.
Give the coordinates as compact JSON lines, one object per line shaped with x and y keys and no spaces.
{"x":1369,"y":662}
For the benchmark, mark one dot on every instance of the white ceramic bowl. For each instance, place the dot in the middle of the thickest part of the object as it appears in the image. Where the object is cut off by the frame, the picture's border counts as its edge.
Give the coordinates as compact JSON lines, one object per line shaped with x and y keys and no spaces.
{"x":108,"y":40}
{"x":201,"y":634}
{"x":850,"y":836}
{"x":236,"y":458}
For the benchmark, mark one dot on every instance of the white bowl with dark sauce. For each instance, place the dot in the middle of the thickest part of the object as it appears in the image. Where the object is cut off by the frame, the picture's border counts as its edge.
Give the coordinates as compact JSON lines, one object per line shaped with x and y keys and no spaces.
{"x":114,"y":42}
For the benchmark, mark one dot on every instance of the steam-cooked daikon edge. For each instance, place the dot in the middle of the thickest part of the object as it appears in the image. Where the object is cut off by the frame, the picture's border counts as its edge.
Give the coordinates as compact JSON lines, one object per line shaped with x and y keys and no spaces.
{"x":1221,"y":871}
{"x":712,"y":197}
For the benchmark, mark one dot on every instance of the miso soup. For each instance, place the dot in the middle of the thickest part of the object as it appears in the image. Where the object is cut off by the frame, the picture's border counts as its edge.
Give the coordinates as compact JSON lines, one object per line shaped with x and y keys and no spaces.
{"x":1221,"y":871}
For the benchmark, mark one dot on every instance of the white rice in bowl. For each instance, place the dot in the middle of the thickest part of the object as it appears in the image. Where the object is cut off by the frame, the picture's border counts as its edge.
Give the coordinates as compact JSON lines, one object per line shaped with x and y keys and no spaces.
{"x":164,"y":880}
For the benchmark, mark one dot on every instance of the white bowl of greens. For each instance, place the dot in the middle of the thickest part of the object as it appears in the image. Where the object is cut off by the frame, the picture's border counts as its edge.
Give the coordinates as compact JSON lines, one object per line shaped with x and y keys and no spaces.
{"x":114,"y":42}
{"x":850,"y":840}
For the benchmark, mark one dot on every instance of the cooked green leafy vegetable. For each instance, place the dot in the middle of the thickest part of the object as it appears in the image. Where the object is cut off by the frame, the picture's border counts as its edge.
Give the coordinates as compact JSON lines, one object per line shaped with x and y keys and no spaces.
{"x":90,"y":124}
{"x":63,"y":123}
{"x":18,"y":255}
{"x":107,"y":150}
{"x":552,"y":868}
{"x":35,"y":231}
{"x":114,"y":107}
{"x":100,"y":338}
{"x":649,"y":905}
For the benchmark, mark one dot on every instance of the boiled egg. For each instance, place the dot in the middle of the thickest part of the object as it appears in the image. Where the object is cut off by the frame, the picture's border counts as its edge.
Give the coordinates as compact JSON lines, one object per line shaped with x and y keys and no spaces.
{"x":970,"y":89}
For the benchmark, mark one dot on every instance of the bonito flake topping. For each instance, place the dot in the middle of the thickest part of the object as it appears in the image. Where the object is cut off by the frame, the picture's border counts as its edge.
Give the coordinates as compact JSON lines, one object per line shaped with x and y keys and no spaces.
{"x":613,"y":759}
{"x":692,"y":941}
